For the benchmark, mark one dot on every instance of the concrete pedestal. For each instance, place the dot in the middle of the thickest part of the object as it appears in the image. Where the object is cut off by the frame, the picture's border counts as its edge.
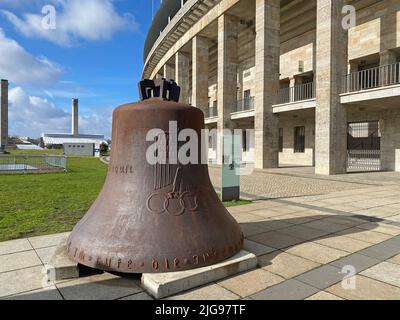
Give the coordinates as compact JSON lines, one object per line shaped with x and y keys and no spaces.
{"x":163,"y":285}
{"x":61,"y":267}
{"x":160,"y":285}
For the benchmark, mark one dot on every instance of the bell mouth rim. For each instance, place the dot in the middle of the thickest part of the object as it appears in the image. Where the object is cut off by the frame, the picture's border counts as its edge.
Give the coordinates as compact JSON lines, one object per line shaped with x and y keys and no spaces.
{"x":161,"y":270}
{"x":159,"y":264}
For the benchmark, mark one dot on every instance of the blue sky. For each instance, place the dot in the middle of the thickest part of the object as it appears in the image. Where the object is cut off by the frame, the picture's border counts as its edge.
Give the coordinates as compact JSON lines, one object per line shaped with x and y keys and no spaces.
{"x":94,"y":53}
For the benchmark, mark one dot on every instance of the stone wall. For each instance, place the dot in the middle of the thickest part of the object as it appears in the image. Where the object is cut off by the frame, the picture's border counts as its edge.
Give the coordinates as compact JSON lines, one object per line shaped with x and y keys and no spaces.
{"x":295,"y":50}
{"x":377,"y":30}
{"x":288,"y":156}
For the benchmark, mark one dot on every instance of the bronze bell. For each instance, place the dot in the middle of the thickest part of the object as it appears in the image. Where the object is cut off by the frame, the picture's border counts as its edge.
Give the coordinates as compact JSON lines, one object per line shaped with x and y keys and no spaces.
{"x":153,"y":218}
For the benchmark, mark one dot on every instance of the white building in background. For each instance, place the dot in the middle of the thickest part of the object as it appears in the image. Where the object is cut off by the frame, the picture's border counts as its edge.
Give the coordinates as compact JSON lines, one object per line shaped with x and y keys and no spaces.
{"x":51,"y":140}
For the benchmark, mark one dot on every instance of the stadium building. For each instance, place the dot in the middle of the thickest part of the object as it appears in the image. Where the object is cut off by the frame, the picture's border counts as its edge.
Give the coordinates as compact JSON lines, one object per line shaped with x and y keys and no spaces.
{"x":317,"y":91}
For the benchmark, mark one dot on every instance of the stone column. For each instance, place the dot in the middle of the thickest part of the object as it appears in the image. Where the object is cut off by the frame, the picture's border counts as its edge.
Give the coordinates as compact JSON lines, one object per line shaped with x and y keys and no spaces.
{"x":331,"y":66}
{"x":267,"y":83}
{"x":169,"y":72}
{"x":292,"y":81}
{"x":182,"y":76}
{"x":3,"y":114}
{"x":240,"y":82}
{"x":200,"y":63}
{"x":352,"y":67}
{"x":387,"y":74}
{"x":292,"y":84}
{"x":227,"y":74}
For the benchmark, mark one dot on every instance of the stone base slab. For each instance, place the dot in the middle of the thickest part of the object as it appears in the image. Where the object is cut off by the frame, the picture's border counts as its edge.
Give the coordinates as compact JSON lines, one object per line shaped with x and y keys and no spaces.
{"x":61,"y":267}
{"x":163,"y":285}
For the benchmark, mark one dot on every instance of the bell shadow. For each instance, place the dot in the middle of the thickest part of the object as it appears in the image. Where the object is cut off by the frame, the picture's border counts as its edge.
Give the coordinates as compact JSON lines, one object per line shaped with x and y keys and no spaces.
{"x":252,"y":230}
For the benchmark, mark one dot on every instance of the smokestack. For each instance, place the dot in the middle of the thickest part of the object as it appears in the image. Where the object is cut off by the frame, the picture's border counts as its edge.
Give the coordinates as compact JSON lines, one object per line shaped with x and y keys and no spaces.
{"x":3,"y":114}
{"x":75,"y":110}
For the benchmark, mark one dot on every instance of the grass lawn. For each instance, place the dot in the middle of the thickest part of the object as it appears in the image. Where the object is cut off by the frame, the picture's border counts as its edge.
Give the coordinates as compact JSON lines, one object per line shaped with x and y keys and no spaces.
{"x":40,"y":204}
{"x":236,"y":203}
{"x":35,"y":152}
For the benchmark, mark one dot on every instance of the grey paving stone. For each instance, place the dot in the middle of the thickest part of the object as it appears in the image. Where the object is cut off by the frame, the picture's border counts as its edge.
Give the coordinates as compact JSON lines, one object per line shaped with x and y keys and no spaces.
{"x":209,"y":292}
{"x":19,"y":260}
{"x":326,"y":225}
{"x":50,"y":293}
{"x":48,"y":241}
{"x":14,"y":246}
{"x":322,"y":277}
{"x":276,"y":239}
{"x":138,"y":296}
{"x":359,"y":261}
{"x":383,"y":250}
{"x":395,"y":241}
{"x":303,"y":232}
{"x":99,"y":287}
{"x":45,"y":254}
{"x":288,"y":290}
{"x":257,"y":248}
{"x":15,"y":282}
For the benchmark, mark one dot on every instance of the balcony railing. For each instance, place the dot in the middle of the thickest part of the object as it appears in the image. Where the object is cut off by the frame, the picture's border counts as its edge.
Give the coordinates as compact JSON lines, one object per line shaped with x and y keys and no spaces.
{"x":212,"y":112}
{"x":382,"y":76}
{"x":246,"y":104}
{"x":297,"y":93}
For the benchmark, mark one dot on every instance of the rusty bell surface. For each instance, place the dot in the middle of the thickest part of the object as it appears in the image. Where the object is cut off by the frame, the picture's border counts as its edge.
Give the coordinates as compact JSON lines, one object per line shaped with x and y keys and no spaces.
{"x":154,"y":218}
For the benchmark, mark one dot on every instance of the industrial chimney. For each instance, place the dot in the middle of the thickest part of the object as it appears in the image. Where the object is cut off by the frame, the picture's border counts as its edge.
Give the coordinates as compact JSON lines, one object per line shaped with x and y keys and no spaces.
{"x":3,"y":114}
{"x":75,"y":106}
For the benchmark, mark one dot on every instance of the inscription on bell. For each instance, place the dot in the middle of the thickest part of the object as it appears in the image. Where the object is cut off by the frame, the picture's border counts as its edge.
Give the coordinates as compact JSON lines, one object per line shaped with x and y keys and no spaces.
{"x":157,"y":265}
{"x":122,"y":169}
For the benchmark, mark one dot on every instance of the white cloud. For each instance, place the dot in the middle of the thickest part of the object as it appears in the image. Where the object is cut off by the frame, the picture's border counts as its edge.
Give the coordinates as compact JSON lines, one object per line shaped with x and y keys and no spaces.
{"x":96,"y":121}
{"x":76,"y":20}
{"x":20,"y":67}
{"x":32,"y":116}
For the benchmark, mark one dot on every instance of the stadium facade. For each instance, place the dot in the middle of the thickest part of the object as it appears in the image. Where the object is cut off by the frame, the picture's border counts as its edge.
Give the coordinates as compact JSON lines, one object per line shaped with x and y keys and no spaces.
{"x":317,"y":91}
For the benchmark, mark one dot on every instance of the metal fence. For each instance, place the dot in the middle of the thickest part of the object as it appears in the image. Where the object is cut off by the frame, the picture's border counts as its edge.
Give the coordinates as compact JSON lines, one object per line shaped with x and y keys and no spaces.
{"x":32,"y":163}
{"x":246,"y":104}
{"x":297,"y":93}
{"x":363,"y":160}
{"x":382,"y":76}
{"x":364,"y":146}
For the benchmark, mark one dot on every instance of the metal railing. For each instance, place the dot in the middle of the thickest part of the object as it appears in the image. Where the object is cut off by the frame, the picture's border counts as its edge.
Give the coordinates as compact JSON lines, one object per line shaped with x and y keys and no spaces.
{"x":363,"y":160}
{"x":246,"y":104}
{"x":297,"y":93}
{"x":32,"y":163}
{"x":382,"y":76}
{"x":212,"y":112}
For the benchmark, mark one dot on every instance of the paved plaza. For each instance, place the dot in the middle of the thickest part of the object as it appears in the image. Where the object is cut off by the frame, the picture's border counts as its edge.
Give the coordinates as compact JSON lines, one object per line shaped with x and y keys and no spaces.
{"x":308,"y":233}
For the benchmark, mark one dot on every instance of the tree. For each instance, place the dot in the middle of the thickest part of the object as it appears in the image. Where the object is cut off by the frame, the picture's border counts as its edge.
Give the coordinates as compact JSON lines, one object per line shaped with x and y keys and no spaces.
{"x":103,"y":148}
